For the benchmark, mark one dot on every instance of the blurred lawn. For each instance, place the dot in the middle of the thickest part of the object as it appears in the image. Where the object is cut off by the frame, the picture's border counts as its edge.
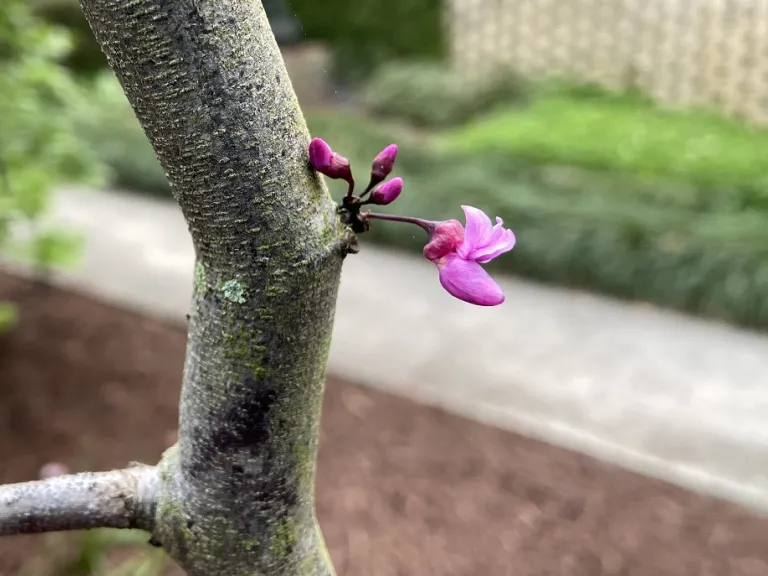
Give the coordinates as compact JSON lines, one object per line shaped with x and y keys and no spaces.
{"x":614,"y":133}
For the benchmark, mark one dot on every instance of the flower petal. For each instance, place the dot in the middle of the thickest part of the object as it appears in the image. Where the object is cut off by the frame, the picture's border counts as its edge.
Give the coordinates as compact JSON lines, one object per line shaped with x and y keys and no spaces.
{"x":503,"y":240}
{"x":477,"y":231}
{"x":467,"y":281}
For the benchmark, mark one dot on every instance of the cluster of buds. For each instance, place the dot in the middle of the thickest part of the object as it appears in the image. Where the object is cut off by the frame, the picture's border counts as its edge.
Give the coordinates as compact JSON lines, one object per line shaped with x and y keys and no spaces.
{"x":336,"y":166}
{"x":457,"y":251}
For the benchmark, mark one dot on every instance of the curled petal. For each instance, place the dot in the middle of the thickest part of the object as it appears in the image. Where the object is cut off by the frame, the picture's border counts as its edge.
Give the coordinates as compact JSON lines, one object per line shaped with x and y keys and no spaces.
{"x":502,"y":240}
{"x":468,"y":281}
{"x":320,"y":154}
{"x":444,"y":239}
{"x":477,"y":232}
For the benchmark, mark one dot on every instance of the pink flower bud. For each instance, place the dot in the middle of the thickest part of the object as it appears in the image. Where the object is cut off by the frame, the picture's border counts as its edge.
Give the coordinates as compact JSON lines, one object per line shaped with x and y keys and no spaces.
{"x":319,"y":154}
{"x":339,"y":168}
{"x":383,"y":163}
{"x":328,"y":162}
{"x":387,"y":192}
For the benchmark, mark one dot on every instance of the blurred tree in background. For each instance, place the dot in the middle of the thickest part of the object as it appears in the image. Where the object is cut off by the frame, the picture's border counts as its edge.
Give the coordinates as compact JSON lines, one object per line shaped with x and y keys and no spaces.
{"x":361,"y":34}
{"x":38,"y":143}
{"x":364,"y":34}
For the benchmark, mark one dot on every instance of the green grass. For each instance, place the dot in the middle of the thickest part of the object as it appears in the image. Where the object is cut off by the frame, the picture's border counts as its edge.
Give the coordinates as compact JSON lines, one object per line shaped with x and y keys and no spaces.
{"x":616,"y":134}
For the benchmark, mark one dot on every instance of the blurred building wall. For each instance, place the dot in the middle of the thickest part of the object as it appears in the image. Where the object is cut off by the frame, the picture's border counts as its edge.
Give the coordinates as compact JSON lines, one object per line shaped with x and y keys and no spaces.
{"x":682,"y":52}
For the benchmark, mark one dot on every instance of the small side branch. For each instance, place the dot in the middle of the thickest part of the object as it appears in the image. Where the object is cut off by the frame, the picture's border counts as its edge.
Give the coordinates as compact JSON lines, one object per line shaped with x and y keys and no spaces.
{"x":117,"y":499}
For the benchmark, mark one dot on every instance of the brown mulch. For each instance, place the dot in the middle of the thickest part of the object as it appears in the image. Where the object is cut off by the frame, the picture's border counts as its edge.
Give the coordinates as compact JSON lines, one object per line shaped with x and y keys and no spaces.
{"x":403,"y":489}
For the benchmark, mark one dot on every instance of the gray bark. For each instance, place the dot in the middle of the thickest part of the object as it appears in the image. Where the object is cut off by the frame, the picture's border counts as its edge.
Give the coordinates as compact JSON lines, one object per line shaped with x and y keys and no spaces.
{"x":235,"y":496}
{"x":118,"y":499}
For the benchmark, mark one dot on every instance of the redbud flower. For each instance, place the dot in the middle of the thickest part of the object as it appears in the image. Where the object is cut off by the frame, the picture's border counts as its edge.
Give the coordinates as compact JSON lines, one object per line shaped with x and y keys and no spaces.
{"x":383,"y":163}
{"x":458,"y":251}
{"x":328,"y":162}
{"x":387,"y":192}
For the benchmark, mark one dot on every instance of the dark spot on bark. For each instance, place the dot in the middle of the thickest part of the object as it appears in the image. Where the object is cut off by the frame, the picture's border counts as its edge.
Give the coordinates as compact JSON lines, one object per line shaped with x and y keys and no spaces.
{"x":190,"y":524}
{"x":246,"y":421}
{"x":237,"y":469}
{"x":283,"y":153}
{"x":277,"y":78}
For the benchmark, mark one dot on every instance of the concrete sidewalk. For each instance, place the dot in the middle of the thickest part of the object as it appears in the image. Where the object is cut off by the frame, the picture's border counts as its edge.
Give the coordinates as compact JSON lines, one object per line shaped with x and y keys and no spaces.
{"x":664,"y":394}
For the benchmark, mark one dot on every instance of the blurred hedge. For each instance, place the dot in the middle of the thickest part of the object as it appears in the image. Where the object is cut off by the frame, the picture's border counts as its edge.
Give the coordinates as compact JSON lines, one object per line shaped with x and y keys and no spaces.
{"x":430,"y":95}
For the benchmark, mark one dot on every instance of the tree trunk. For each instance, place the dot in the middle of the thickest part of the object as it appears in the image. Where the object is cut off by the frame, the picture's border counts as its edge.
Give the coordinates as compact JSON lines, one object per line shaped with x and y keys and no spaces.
{"x":208,"y":84}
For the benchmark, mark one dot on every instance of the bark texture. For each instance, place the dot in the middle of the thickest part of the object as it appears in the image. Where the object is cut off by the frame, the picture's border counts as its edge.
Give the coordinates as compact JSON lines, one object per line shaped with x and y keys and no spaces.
{"x":208,"y":84}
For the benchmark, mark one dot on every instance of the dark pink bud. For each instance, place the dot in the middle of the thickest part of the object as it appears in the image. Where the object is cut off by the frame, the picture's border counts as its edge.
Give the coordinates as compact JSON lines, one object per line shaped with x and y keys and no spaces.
{"x":339,"y":168}
{"x":387,"y":192}
{"x":328,"y":162}
{"x":383,"y":163}
{"x":320,"y":154}
{"x":444,"y":239}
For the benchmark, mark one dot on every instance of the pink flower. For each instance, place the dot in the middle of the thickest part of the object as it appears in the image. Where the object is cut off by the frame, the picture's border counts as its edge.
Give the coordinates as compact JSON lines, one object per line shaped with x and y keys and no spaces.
{"x":387,"y":192}
{"x":458,"y":252}
{"x":328,"y":162}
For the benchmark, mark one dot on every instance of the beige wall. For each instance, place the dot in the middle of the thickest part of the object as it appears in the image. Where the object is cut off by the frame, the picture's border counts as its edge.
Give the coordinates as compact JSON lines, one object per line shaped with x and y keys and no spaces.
{"x":683,"y":52}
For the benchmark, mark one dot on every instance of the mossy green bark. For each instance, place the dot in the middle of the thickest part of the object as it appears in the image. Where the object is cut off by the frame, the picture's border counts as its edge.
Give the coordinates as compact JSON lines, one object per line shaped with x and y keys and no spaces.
{"x":210,"y":89}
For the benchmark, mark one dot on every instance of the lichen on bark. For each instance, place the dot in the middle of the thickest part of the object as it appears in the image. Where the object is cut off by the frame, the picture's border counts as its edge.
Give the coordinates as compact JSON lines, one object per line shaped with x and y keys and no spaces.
{"x":208,"y":84}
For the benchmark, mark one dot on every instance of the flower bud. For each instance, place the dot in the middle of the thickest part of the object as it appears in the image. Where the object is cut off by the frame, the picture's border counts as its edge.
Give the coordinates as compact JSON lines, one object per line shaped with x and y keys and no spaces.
{"x":383,"y":163}
{"x":328,"y":162}
{"x":320,"y":154}
{"x":387,"y":192}
{"x":339,"y":168}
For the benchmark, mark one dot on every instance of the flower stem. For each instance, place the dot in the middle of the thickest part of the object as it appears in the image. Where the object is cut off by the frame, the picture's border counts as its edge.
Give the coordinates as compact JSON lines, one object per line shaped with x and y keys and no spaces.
{"x":424,"y":224}
{"x":371,"y":185}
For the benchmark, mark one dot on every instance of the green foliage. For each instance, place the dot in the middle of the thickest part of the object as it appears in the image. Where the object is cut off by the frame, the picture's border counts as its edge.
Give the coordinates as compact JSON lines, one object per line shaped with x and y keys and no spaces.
{"x":429,"y":94}
{"x":110,"y":126}
{"x":85,"y":57}
{"x":618,"y":134}
{"x":8,"y":316}
{"x":364,"y":34}
{"x":97,"y":544}
{"x":38,"y":143}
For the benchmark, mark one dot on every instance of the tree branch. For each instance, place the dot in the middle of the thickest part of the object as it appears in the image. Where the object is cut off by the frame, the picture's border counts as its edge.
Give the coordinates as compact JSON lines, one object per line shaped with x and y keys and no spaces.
{"x":117,"y":499}
{"x":208,"y":84}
